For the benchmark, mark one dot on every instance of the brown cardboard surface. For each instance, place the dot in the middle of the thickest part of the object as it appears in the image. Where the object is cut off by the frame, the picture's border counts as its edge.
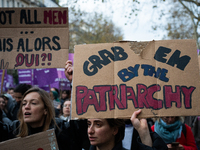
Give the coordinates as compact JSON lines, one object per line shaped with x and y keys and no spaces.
{"x":33,"y":44}
{"x":41,"y":141}
{"x":34,"y":17}
{"x":131,"y":80}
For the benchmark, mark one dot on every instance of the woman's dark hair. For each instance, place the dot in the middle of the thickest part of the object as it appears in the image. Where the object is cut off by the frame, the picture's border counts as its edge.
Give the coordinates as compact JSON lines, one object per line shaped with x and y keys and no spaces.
{"x":56,"y":90}
{"x":2,"y":96}
{"x":22,"y":88}
{"x":68,"y":92}
{"x":120,"y":124}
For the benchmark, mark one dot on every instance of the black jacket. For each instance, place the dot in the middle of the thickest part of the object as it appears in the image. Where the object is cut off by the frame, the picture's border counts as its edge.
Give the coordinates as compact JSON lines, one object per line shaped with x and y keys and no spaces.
{"x":158,"y":143}
{"x":13,"y":111}
{"x":70,"y":135}
{"x":118,"y":146}
{"x":73,"y":136}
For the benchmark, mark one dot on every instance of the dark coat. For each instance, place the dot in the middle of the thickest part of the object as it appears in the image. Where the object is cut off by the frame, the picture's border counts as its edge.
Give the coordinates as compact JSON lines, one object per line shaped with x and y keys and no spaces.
{"x":158,"y":143}
{"x":70,"y":135}
{"x":118,"y":146}
{"x":13,"y":111}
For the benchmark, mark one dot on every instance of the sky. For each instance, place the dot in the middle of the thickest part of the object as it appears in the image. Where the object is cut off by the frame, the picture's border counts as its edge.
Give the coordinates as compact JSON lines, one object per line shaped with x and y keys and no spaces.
{"x":139,"y":30}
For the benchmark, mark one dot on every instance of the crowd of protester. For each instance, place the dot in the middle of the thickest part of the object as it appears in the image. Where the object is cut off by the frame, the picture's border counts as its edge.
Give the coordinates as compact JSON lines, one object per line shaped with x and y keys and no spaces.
{"x":26,"y":110}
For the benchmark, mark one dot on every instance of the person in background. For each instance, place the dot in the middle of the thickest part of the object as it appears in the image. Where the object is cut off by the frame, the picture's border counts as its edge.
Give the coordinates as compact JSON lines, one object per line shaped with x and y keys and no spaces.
{"x":18,"y":94}
{"x":65,"y":110}
{"x":194,"y":123}
{"x":3,"y":109}
{"x":56,"y":102}
{"x":55,"y":89}
{"x":172,"y":129}
{"x":11,"y":91}
{"x":55,"y":97}
{"x":66,"y":94}
{"x":8,"y":101}
{"x":2,"y":103}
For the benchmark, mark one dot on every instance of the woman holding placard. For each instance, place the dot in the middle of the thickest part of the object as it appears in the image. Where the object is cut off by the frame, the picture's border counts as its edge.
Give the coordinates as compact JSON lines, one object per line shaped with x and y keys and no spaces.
{"x":109,"y":133}
{"x":36,"y":114}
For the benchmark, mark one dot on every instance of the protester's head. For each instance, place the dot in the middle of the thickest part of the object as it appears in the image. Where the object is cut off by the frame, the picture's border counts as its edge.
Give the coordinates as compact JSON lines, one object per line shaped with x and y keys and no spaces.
{"x":11,"y":91}
{"x":54,"y":95}
{"x":65,"y":94}
{"x":55,"y":89}
{"x":2,"y":102}
{"x":36,"y":110}
{"x":19,"y":91}
{"x":66,"y":107}
{"x":51,"y":95}
{"x":6,"y":98}
{"x":171,"y":119}
{"x":104,"y":131}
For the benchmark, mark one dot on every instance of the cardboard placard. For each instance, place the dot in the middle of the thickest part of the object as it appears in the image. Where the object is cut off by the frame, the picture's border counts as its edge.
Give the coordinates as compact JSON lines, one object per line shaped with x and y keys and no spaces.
{"x":33,"y":38}
{"x":41,"y":141}
{"x":112,"y":80}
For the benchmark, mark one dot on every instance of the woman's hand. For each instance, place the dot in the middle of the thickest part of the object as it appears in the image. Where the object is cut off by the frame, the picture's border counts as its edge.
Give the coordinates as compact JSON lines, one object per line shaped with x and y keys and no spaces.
{"x":142,"y":127}
{"x":178,"y":147}
{"x":68,"y":70}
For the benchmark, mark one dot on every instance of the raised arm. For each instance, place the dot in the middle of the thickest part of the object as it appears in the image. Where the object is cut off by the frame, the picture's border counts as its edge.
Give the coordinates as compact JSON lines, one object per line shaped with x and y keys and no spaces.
{"x":142,"y":127}
{"x":68,"y":70}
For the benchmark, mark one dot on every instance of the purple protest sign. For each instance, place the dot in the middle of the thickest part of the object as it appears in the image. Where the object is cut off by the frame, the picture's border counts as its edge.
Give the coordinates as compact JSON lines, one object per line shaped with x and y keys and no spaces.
{"x":61,"y":73}
{"x":46,"y":88}
{"x":25,"y":76}
{"x":71,"y":57}
{"x":9,"y":82}
{"x":64,"y":83}
{"x":54,"y":77}
{"x":55,"y":85}
{"x":4,"y":83}
{"x":44,"y":77}
{"x":61,"y":82}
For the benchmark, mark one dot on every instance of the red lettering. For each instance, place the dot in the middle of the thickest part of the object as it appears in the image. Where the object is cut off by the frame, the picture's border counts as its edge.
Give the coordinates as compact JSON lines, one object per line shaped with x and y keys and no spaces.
{"x":154,"y":103}
{"x":97,"y":97}
{"x":62,"y":16}
{"x":170,"y":96}
{"x":131,"y":96}
{"x":27,"y":63}
{"x":113,"y":98}
{"x":187,"y":92}
{"x":19,"y":60}
{"x":123,"y":94}
{"x":142,"y":93}
{"x":102,"y":96}
{"x":48,"y":15}
{"x":55,"y":15}
{"x":81,"y":92}
{"x":90,"y":99}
